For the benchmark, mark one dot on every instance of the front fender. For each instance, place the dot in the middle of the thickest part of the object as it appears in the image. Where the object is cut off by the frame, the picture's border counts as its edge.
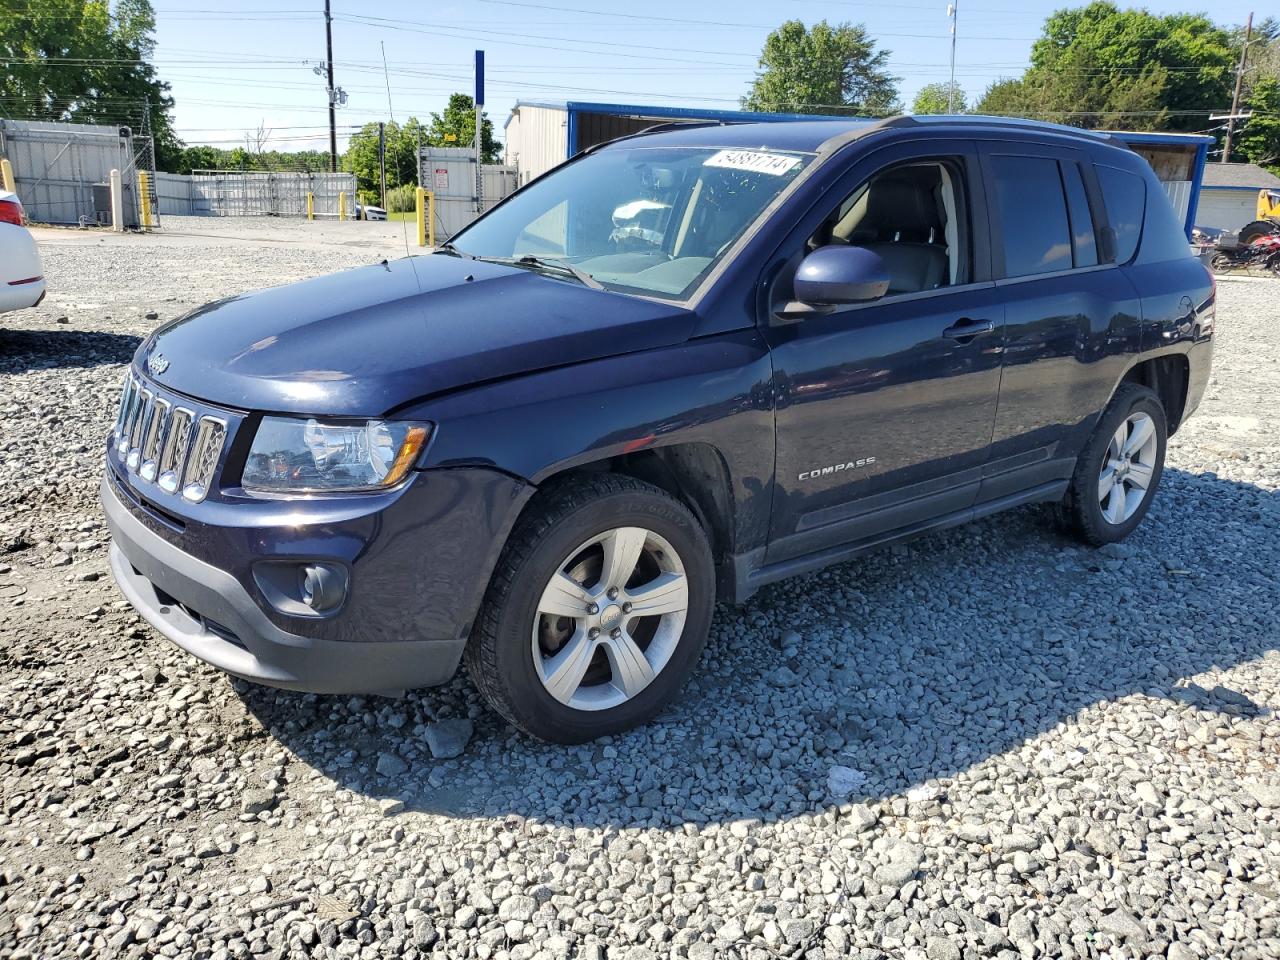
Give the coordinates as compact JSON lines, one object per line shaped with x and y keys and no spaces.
{"x":715,"y":391}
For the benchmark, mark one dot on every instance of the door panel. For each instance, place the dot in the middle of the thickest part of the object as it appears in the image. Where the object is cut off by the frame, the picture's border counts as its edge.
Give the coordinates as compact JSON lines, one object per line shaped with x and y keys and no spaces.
{"x":882,"y":419}
{"x":1067,"y":332}
{"x":885,"y":409}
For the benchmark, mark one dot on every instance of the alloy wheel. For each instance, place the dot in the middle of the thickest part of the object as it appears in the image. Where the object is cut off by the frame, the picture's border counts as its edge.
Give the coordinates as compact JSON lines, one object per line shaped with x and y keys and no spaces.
{"x":610,"y":618}
{"x":1128,"y":468}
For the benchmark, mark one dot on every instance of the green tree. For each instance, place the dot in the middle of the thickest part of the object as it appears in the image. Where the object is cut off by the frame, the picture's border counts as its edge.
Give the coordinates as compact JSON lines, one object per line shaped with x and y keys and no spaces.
{"x":456,"y":127}
{"x":1004,"y":98}
{"x":85,"y":61}
{"x":933,"y":99}
{"x":1101,"y":66}
{"x":825,"y":69}
{"x":1259,"y":138}
{"x":361,"y":159}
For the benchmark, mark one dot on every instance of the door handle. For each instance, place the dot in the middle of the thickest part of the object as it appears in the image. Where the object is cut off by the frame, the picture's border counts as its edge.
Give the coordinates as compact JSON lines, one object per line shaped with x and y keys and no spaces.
{"x":967,"y":329}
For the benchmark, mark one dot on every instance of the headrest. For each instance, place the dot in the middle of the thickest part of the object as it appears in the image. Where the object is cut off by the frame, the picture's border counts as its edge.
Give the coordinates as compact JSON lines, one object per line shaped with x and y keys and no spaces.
{"x":902,"y":206}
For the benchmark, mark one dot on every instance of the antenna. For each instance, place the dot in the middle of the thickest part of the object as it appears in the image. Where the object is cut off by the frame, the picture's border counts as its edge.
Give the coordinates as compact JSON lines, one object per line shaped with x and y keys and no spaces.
{"x":951,"y":86}
{"x":391,"y":113}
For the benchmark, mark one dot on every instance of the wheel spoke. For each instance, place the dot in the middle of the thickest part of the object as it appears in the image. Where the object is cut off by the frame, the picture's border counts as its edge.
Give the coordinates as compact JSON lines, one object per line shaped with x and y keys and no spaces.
{"x":564,"y":597}
{"x":1115,"y":504}
{"x":1116,"y":447}
{"x":1140,"y":475}
{"x":1143,"y":429}
{"x":669,"y":593}
{"x":631,"y":669}
{"x":621,"y":554}
{"x":1106,"y":481}
{"x":563,"y":673}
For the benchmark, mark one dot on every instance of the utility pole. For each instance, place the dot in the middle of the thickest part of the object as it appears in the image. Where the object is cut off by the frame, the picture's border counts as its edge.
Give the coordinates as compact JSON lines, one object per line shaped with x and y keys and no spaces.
{"x":382,"y":160}
{"x":479,"y":104}
{"x":333,"y":117}
{"x":1235,"y":97}
{"x":951,"y":87}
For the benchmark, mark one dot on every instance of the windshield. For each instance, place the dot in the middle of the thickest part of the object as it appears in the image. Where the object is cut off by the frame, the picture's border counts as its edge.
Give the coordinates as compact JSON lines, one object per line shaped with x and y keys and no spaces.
{"x":646,"y":220}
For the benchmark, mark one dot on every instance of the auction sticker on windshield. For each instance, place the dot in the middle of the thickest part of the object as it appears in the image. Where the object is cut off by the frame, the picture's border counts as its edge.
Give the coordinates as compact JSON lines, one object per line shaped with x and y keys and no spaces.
{"x":775,"y":164}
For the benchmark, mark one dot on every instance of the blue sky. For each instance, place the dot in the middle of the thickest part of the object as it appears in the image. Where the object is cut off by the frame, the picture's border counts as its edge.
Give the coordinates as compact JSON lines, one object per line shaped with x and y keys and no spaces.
{"x":237,"y":65}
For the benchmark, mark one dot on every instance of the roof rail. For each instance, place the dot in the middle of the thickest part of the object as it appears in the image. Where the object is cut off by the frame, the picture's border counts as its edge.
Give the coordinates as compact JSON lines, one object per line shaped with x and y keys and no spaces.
{"x":977,"y":118}
{"x":683,"y":125}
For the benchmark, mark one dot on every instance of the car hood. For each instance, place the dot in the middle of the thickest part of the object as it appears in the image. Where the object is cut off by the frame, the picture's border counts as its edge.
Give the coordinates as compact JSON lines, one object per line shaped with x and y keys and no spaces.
{"x":365,"y":341}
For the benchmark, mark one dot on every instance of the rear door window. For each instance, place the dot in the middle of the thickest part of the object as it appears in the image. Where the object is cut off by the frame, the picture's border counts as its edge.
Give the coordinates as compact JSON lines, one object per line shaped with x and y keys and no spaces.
{"x":1084,"y":246}
{"x":1031,"y":211}
{"x":1125,"y":195}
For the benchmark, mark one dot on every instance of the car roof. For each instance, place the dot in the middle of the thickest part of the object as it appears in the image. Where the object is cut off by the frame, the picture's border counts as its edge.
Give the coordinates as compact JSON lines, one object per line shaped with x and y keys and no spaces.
{"x":810,"y":136}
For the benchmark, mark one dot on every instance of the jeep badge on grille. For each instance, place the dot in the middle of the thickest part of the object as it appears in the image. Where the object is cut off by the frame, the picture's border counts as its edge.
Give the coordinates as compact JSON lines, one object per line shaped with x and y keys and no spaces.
{"x":157,"y":364}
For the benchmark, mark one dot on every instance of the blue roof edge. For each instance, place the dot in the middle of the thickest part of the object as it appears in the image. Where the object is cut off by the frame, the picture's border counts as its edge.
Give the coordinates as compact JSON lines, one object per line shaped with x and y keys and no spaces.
{"x":681,"y":113}
{"x":658,"y":112}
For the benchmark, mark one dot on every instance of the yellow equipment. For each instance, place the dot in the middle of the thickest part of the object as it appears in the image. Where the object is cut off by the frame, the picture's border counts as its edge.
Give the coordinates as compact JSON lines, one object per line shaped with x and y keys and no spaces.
{"x":1269,"y":204}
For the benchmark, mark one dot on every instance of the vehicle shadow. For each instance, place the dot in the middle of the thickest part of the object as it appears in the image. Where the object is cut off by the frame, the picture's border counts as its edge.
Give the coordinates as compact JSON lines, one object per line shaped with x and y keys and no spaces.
{"x":908,"y":666}
{"x":49,"y":349}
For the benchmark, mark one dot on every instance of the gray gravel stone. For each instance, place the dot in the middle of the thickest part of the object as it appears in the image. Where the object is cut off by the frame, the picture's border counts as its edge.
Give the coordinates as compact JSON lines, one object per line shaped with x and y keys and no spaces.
{"x":389,"y":765}
{"x":448,"y":738}
{"x":1023,"y":756}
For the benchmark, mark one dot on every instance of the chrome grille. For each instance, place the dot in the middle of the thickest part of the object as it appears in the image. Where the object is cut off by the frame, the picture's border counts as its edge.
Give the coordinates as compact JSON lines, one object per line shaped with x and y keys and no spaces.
{"x":204,"y":459}
{"x":165,"y":444}
{"x":156,"y":428}
{"x":176,"y":446}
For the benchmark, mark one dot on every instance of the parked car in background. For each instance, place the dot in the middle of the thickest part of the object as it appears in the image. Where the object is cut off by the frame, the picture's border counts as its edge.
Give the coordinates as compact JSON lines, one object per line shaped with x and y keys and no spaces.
{"x":677,"y":368}
{"x":366,"y":212}
{"x":21,"y":272}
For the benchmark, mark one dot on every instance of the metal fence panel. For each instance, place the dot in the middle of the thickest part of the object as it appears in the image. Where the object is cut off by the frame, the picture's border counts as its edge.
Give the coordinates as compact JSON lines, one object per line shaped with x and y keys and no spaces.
{"x":235,"y":193}
{"x":449,"y":172}
{"x":56,"y":165}
{"x":173,"y":194}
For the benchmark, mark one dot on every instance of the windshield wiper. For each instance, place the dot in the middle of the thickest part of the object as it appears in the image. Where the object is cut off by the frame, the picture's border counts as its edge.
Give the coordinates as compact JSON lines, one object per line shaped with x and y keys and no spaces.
{"x":586,"y":279}
{"x":528,"y":260}
{"x":448,"y":247}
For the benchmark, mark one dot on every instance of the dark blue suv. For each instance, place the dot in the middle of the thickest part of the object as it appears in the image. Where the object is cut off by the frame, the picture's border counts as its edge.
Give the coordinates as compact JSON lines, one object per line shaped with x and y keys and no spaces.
{"x":678,"y":367}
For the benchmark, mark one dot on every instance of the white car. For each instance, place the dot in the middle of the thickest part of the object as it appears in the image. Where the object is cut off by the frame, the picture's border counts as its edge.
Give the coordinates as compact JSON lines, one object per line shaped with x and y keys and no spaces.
{"x":21,"y":273}
{"x":364,"y":212}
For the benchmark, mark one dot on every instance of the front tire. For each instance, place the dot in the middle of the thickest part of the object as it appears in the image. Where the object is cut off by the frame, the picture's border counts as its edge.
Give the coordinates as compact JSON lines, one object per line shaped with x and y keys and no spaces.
{"x":1118,"y":471}
{"x":1221,"y":263}
{"x":597,"y":612}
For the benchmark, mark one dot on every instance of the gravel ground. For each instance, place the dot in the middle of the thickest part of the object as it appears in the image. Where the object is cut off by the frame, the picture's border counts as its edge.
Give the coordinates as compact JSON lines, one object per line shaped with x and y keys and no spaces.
{"x":989,"y":743}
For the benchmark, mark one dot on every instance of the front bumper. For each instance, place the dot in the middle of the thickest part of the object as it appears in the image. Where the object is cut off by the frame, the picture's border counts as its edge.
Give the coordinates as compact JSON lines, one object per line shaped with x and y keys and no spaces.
{"x":208,"y":613}
{"x":221,"y":616}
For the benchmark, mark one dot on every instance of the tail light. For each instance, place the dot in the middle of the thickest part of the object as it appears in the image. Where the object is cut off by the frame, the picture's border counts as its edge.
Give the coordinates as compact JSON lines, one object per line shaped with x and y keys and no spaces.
{"x":11,"y":212}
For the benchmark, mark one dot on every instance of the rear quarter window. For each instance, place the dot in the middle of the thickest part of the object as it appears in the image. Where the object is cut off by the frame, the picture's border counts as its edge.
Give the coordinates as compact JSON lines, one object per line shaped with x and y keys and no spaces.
{"x":1125,"y":195}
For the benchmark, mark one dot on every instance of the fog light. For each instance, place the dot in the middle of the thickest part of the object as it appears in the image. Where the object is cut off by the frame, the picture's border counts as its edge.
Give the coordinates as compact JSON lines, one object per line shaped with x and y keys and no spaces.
{"x":323,"y":587}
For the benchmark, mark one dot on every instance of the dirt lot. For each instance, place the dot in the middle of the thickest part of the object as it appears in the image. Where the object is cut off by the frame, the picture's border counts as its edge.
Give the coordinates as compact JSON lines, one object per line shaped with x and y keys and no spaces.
{"x":989,"y":743}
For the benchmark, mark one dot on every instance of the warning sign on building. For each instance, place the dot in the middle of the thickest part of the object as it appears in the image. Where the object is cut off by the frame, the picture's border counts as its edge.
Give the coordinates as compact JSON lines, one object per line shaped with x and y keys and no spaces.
{"x":441,"y":179}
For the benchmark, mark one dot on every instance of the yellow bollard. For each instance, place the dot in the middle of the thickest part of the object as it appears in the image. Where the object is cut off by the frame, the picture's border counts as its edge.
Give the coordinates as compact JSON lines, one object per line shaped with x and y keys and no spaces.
{"x":311,"y":206}
{"x":342,"y":205}
{"x":420,"y":209}
{"x":431,"y":219}
{"x":6,"y":176}
{"x":144,"y":198}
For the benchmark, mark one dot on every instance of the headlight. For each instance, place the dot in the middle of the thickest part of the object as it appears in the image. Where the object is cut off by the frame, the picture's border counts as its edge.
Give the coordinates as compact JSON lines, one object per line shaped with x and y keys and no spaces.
{"x":291,"y":455}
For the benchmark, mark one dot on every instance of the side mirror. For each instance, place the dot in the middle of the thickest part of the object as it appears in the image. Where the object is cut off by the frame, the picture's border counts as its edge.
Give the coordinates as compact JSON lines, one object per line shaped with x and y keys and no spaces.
{"x":839,"y":274}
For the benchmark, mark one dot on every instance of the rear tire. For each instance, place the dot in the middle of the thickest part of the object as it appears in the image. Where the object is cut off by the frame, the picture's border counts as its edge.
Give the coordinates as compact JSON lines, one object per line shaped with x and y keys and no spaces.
{"x":1221,"y":263}
{"x":1118,"y":471}
{"x":1258,"y":228}
{"x":561,"y":648}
